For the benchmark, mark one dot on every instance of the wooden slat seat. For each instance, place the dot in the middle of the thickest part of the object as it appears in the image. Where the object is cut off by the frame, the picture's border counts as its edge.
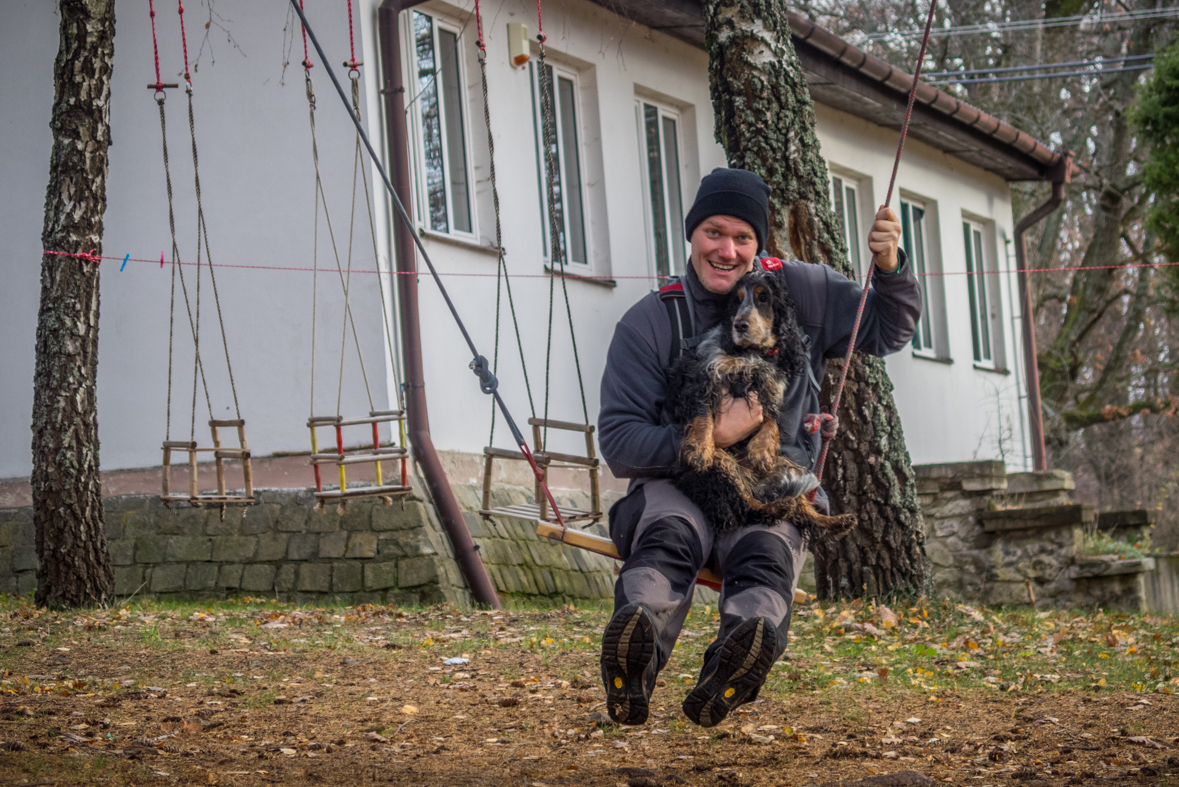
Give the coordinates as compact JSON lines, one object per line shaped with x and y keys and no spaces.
{"x":220,"y":453}
{"x":373,"y":454}
{"x":352,"y":493}
{"x":531,"y":513}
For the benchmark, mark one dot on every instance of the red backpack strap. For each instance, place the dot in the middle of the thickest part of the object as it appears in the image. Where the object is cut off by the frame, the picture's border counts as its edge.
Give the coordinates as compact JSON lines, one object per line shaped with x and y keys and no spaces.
{"x":674,"y":289}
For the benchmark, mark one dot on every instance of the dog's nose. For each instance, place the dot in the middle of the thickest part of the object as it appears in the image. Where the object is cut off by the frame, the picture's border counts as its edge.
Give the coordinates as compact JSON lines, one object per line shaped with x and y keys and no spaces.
{"x":741,"y":326}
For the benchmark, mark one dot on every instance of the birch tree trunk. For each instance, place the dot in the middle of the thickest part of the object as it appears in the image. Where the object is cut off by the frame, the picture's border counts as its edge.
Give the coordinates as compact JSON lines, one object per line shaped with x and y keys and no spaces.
{"x":74,"y":567}
{"x":765,"y":119}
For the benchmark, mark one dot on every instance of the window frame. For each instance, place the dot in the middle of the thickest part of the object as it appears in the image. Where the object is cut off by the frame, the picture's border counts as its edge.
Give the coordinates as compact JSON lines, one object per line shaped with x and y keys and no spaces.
{"x":422,"y":212}
{"x":980,"y":295}
{"x":925,"y":338}
{"x":561,"y":71}
{"x":854,"y":235}
{"x":678,"y":253}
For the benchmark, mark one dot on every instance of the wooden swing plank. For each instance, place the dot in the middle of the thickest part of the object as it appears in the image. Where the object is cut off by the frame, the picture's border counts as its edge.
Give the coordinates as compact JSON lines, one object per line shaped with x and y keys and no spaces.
{"x":234,"y":422}
{"x":531,"y":512}
{"x":184,"y":445}
{"x":355,"y":459}
{"x":207,"y":499}
{"x":508,"y":453}
{"x":364,"y":491}
{"x":554,"y":424}
{"x":601,"y":545}
{"x":573,"y":459}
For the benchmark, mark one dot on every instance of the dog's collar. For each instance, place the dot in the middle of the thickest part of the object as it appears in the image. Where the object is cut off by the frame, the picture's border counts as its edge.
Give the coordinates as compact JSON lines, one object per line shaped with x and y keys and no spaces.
{"x":770,"y":353}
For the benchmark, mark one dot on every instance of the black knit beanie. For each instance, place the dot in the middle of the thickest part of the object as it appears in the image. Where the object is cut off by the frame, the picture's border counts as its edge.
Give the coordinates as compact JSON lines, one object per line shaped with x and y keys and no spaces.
{"x":732,"y":192}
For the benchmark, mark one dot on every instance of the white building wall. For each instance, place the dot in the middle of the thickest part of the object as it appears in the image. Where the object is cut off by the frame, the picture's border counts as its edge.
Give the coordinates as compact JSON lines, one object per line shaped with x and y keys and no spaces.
{"x":258,"y":180}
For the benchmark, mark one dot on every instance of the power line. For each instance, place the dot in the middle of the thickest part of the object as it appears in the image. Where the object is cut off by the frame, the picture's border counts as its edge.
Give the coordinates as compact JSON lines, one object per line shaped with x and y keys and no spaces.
{"x":1032,"y":24}
{"x":1100,"y":72}
{"x":1039,"y":67}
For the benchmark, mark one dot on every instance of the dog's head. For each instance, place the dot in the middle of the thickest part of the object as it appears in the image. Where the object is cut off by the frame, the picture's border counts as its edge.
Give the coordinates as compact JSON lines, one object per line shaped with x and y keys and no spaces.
{"x":763,"y":319}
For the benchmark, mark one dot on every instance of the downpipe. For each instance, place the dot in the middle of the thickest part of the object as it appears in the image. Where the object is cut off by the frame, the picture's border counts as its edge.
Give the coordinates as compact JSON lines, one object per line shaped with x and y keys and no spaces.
{"x":1060,"y":176}
{"x":465,"y":550}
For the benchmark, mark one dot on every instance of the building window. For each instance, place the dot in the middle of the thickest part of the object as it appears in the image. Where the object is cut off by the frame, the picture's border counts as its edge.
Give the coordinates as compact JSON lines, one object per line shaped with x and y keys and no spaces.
{"x":915,"y":238}
{"x":845,"y":199}
{"x":660,"y":143}
{"x":976,"y":287}
{"x":440,"y":109}
{"x":569,"y":189}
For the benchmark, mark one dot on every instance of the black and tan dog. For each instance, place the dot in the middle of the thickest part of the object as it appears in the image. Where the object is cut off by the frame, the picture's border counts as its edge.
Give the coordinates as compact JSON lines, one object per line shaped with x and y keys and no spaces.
{"x":758,"y":348}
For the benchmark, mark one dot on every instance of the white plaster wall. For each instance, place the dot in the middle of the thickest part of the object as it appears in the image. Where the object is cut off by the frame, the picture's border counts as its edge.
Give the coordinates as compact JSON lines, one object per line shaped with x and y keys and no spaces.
{"x":257,"y":182}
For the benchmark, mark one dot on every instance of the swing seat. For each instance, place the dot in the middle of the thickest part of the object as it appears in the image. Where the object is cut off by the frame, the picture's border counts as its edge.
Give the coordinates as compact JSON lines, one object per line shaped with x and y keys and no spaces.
{"x":342,"y":457}
{"x":539,"y":511}
{"x":591,"y":542}
{"x":220,"y":454}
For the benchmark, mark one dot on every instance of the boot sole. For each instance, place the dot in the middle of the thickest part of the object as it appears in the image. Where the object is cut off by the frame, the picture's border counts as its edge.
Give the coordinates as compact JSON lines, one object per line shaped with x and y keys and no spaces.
{"x":743,"y":664}
{"x":628,"y":648}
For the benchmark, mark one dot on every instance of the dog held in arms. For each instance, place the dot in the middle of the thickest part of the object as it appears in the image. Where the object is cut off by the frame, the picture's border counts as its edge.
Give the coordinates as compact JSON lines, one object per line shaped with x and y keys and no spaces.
{"x":758,"y":348}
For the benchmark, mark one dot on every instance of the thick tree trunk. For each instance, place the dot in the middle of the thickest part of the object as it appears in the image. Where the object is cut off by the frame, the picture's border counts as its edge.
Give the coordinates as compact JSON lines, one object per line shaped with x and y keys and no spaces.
{"x":765,"y":120}
{"x":74,"y":566}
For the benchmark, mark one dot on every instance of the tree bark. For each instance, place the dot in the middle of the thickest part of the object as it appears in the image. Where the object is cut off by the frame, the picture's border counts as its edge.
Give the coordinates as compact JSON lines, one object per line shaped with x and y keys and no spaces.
{"x":765,"y":119}
{"x":74,"y":566}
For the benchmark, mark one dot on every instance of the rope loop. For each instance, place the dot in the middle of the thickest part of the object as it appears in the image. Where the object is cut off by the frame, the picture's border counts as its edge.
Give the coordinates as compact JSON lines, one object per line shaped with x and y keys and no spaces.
{"x":488,"y":383}
{"x":307,"y":84}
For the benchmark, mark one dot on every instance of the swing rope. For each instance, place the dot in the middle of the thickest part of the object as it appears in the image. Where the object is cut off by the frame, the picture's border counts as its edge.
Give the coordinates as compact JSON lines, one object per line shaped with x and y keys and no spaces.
{"x":349,"y":320}
{"x":487,"y":380}
{"x":556,"y":227}
{"x":830,"y":432}
{"x":502,"y":280}
{"x":203,"y":235}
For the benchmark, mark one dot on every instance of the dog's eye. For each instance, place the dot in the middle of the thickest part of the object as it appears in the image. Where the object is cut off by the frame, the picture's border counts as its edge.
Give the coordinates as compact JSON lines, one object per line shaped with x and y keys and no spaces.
{"x":762,"y":296}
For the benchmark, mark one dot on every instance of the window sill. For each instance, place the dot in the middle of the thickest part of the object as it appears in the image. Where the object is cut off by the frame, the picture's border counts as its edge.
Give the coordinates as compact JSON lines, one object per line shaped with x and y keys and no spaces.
{"x":933,"y":358}
{"x":601,"y":281}
{"x":442,"y":237}
{"x":982,"y":367}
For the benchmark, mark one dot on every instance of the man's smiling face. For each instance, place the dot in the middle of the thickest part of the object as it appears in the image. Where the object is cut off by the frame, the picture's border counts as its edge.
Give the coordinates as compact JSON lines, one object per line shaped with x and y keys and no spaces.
{"x":723,"y":250}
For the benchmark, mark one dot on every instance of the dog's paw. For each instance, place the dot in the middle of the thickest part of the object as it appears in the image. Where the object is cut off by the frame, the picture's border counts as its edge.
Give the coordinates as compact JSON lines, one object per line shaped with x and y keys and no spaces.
{"x":785,"y":483}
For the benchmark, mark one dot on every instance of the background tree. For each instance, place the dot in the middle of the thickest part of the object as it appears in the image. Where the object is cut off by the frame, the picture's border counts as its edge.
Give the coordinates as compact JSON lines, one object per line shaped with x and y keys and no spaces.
{"x":765,"y":119}
{"x":1105,"y":325}
{"x":74,"y":567}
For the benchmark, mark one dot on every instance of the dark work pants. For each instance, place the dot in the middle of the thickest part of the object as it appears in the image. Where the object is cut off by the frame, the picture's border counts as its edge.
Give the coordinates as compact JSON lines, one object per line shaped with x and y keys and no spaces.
{"x":665,"y":541}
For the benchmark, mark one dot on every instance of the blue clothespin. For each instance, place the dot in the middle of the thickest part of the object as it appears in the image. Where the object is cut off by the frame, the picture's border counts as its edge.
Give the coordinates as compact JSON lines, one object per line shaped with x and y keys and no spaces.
{"x":124,"y":265}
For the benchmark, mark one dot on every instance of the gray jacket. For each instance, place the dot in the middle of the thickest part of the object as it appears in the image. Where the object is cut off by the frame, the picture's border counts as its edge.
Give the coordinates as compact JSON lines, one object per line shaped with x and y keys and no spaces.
{"x":637,"y":444}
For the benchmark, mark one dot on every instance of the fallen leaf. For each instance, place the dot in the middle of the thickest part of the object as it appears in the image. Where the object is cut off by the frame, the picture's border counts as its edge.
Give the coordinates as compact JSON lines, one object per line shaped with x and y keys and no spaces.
{"x":409,"y":709}
{"x":888,"y":618}
{"x":375,"y":737}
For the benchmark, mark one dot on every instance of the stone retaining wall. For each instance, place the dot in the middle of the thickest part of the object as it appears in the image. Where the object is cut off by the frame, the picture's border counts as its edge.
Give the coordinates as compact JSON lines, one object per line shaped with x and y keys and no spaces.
{"x":283,"y":547}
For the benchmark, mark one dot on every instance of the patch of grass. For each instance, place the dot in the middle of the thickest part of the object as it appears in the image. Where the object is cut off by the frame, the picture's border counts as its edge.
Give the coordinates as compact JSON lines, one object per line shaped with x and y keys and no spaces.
{"x":1102,"y":543}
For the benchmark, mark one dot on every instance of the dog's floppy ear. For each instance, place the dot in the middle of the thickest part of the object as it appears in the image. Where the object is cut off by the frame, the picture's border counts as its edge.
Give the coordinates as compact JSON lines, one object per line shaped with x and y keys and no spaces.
{"x":792,"y":354}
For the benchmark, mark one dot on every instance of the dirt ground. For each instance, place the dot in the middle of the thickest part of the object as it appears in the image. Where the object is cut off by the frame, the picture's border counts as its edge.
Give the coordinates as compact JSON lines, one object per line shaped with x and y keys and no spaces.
{"x":257,"y":693}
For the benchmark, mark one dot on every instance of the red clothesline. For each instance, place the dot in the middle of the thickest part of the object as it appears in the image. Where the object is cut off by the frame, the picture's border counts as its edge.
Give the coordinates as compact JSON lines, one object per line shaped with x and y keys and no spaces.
{"x":90,"y":257}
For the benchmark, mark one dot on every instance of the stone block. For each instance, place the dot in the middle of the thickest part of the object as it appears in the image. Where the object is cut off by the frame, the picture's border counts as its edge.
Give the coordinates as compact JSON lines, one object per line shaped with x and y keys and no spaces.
{"x":182,"y":522}
{"x":1037,"y":518}
{"x":113,"y":525}
{"x":201,"y":576}
{"x":333,"y":545}
{"x":978,"y":476}
{"x":127,"y":579}
{"x":167,"y":577}
{"x":938,"y":552}
{"x":290,"y":518}
{"x":315,"y":577}
{"x":284,"y":578}
{"x":358,"y":516}
{"x":1106,"y":567}
{"x":386,"y":518}
{"x":474,"y":524}
{"x":151,"y":549}
{"x":581,"y":586}
{"x":302,"y":546}
{"x":544,"y":581}
{"x":12,"y":530}
{"x":182,"y":549}
{"x":24,"y":558}
{"x":259,"y":519}
{"x":258,"y":578}
{"x":1040,"y":481}
{"x":953,"y":526}
{"x":389,"y":546}
{"x":230,"y":576}
{"x":361,"y":545}
{"x":325,"y":521}
{"x":416,"y":571}
{"x":122,"y":552}
{"x":380,"y":576}
{"x":347,"y":577}
{"x":26,"y":583}
{"x":6,"y":554}
{"x":272,"y":546}
{"x":229,"y":549}
{"x":142,"y":521}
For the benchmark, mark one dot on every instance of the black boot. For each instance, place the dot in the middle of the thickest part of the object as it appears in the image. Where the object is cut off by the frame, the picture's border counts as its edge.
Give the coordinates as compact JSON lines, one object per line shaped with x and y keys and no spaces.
{"x":734,"y":673}
{"x":630,"y":662}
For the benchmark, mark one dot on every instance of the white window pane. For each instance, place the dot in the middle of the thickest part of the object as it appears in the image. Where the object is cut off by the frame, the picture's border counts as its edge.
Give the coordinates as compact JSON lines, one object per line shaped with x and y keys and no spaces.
{"x":853,"y":228}
{"x":571,"y":170}
{"x":655,"y":187}
{"x":455,"y":138}
{"x":675,"y":204}
{"x":972,"y":292}
{"x":428,"y":109}
{"x":983,"y":313}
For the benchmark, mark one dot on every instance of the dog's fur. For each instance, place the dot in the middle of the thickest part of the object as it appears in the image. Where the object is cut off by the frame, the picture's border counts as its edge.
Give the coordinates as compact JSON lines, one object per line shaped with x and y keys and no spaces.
{"x":758,"y":348}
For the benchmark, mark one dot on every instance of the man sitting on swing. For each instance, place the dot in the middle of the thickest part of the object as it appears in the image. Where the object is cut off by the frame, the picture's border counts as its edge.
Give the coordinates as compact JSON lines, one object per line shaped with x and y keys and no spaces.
{"x":662,"y":536}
